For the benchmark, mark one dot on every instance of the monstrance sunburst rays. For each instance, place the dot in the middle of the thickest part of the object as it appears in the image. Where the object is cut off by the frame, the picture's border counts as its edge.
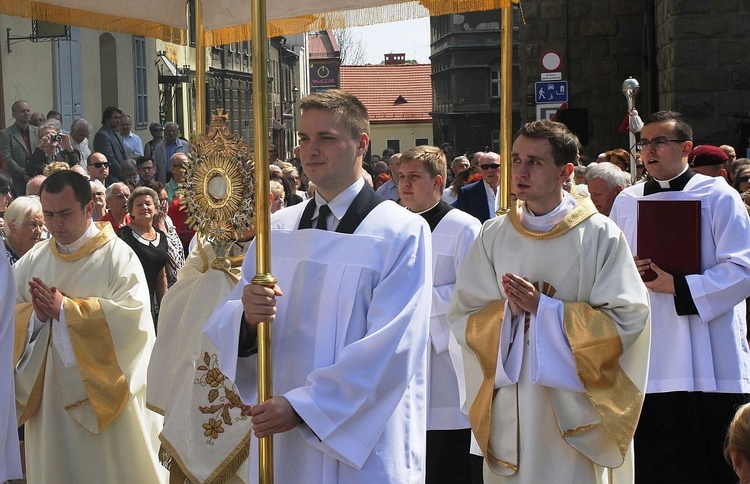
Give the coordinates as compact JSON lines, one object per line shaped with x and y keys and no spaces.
{"x":219,"y":190}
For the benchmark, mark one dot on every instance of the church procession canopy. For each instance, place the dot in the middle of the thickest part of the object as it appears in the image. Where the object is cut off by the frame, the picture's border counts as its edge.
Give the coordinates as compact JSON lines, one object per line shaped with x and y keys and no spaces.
{"x":227,"y":21}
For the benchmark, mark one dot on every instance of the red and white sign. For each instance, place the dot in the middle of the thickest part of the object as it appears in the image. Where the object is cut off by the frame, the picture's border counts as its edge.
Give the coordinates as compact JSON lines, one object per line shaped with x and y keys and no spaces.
{"x":551,"y":61}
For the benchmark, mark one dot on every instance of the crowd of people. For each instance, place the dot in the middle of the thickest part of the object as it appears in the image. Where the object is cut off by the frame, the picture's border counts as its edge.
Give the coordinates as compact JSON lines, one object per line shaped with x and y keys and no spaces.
{"x":421,"y":333}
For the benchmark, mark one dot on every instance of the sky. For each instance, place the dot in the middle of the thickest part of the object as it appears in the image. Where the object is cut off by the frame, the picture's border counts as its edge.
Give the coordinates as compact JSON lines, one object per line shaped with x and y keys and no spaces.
{"x":411,"y":37}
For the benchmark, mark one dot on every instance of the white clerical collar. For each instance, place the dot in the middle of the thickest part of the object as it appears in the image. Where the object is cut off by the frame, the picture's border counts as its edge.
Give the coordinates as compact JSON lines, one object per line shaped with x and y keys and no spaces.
{"x":425,"y":211}
{"x":340,"y":203}
{"x":665,"y":183}
{"x":72,"y":247}
{"x":545,"y":223}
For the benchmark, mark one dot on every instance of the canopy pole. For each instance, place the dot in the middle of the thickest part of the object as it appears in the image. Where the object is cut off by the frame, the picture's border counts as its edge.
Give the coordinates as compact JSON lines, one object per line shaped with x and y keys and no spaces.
{"x":263,"y":276}
{"x":200,"y":71}
{"x":630,"y":89}
{"x":506,"y":105}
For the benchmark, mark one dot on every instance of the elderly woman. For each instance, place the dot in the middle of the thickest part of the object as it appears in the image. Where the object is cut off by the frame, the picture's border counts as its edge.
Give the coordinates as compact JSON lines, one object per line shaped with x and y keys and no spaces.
{"x":292,"y":177}
{"x":130,"y":174}
{"x":24,"y":225}
{"x":52,"y":146}
{"x":148,"y":243}
{"x":98,"y":195}
{"x":277,"y":196}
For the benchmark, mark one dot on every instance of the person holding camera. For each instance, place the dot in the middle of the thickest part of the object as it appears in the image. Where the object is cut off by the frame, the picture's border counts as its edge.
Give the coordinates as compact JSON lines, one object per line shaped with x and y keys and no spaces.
{"x":52,"y":146}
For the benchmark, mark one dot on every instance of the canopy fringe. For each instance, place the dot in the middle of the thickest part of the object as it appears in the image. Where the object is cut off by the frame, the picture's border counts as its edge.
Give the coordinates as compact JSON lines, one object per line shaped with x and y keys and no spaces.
{"x":92,"y":20}
{"x":354,"y":18}
{"x":393,"y":12}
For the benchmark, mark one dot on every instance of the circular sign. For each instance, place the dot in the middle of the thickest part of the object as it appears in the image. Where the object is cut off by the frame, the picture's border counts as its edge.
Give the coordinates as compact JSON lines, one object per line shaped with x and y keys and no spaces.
{"x":551,"y":61}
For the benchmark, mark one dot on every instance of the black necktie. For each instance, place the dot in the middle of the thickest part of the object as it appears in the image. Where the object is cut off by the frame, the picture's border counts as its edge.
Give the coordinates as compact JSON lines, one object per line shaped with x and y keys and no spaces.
{"x":322,"y":222}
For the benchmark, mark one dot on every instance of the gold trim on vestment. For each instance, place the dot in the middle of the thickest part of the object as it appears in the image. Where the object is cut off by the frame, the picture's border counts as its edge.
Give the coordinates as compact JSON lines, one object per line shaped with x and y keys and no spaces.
{"x":102,"y":377}
{"x":483,"y":338}
{"x":584,"y":209}
{"x":106,"y":232}
{"x":155,"y":409}
{"x":221,"y":411}
{"x":22,"y":321}
{"x":597,"y":348}
{"x":170,"y":459}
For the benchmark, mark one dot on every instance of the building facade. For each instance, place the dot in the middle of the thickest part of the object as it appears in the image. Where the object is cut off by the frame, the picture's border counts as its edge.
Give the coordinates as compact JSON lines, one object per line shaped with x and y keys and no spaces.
{"x":398,"y":97}
{"x":466,"y":83}
{"x":77,"y":72}
{"x":688,"y":56}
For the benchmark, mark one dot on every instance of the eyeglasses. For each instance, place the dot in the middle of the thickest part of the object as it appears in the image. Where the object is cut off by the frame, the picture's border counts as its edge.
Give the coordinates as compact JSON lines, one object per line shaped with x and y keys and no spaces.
{"x":743,"y":179}
{"x":657,"y":143}
{"x":100,"y":164}
{"x":490,"y":166}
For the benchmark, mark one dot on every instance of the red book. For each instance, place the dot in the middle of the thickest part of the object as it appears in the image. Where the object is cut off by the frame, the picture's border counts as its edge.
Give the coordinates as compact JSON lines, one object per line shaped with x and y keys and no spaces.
{"x":669,"y":233}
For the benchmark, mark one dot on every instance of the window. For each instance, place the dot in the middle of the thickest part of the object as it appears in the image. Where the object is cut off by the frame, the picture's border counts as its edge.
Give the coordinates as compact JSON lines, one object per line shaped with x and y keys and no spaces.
{"x":140,"y":116}
{"x":496,"y":141}
{"x":421,"y":141}
{"x":495,"y":83}
{"x":394,"y":144}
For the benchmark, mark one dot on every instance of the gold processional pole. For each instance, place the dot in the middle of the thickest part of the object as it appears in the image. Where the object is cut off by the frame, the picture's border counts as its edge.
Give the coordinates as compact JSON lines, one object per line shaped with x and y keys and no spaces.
{"x":506,"y":105}
{"x":200,"y":72}
{"x":263,"y":276}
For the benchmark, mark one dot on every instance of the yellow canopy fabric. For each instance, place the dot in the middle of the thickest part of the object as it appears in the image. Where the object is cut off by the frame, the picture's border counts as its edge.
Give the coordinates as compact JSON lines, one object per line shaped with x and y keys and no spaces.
{"x":228,"y":21}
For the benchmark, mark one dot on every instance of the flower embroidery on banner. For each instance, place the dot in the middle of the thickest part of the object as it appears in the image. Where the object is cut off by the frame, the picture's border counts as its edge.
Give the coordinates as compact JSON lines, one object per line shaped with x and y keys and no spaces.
{"x":222,"y":399}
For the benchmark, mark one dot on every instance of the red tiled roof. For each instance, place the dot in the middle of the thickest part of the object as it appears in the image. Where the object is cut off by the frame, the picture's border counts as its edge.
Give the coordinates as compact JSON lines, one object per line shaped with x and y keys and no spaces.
{"x":322,"y":45}
{"x":379,"y":87}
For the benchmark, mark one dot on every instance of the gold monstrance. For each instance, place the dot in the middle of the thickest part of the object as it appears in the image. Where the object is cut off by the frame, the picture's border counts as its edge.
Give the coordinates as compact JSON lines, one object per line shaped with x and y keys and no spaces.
{"x":219,"y":190}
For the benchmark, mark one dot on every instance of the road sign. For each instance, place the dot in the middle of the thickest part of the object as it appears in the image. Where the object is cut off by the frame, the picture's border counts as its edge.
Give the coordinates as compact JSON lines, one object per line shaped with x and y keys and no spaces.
{"x":551,"y":92}
{"x":546,"y":111}
{"x":551,"y":61}
{"x":551,"y":76}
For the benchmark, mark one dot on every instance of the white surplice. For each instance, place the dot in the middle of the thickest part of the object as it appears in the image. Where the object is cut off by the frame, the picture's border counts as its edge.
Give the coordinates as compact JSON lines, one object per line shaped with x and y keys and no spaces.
{"x":10,"y":457}
{"x":451,"y":240}
{"x":349,"y":347}
{"x":707,"y":352}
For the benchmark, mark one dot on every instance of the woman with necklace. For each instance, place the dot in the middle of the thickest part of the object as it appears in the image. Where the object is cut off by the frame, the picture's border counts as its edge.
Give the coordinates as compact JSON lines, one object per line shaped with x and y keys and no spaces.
{"x":24,"y":226}
{"x":149,"y":243}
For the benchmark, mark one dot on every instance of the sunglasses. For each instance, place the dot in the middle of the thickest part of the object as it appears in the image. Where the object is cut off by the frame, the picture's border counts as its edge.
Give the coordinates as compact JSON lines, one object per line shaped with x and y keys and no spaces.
{"x":743,"y":179}
{"x":490,"y":166}
{"x":100,"y":164}
{"x":5,"y":191}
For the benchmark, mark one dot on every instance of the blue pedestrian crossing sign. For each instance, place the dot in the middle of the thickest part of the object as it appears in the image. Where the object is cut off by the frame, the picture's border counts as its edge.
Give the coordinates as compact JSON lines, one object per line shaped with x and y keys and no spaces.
{"x":551,"y":92}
